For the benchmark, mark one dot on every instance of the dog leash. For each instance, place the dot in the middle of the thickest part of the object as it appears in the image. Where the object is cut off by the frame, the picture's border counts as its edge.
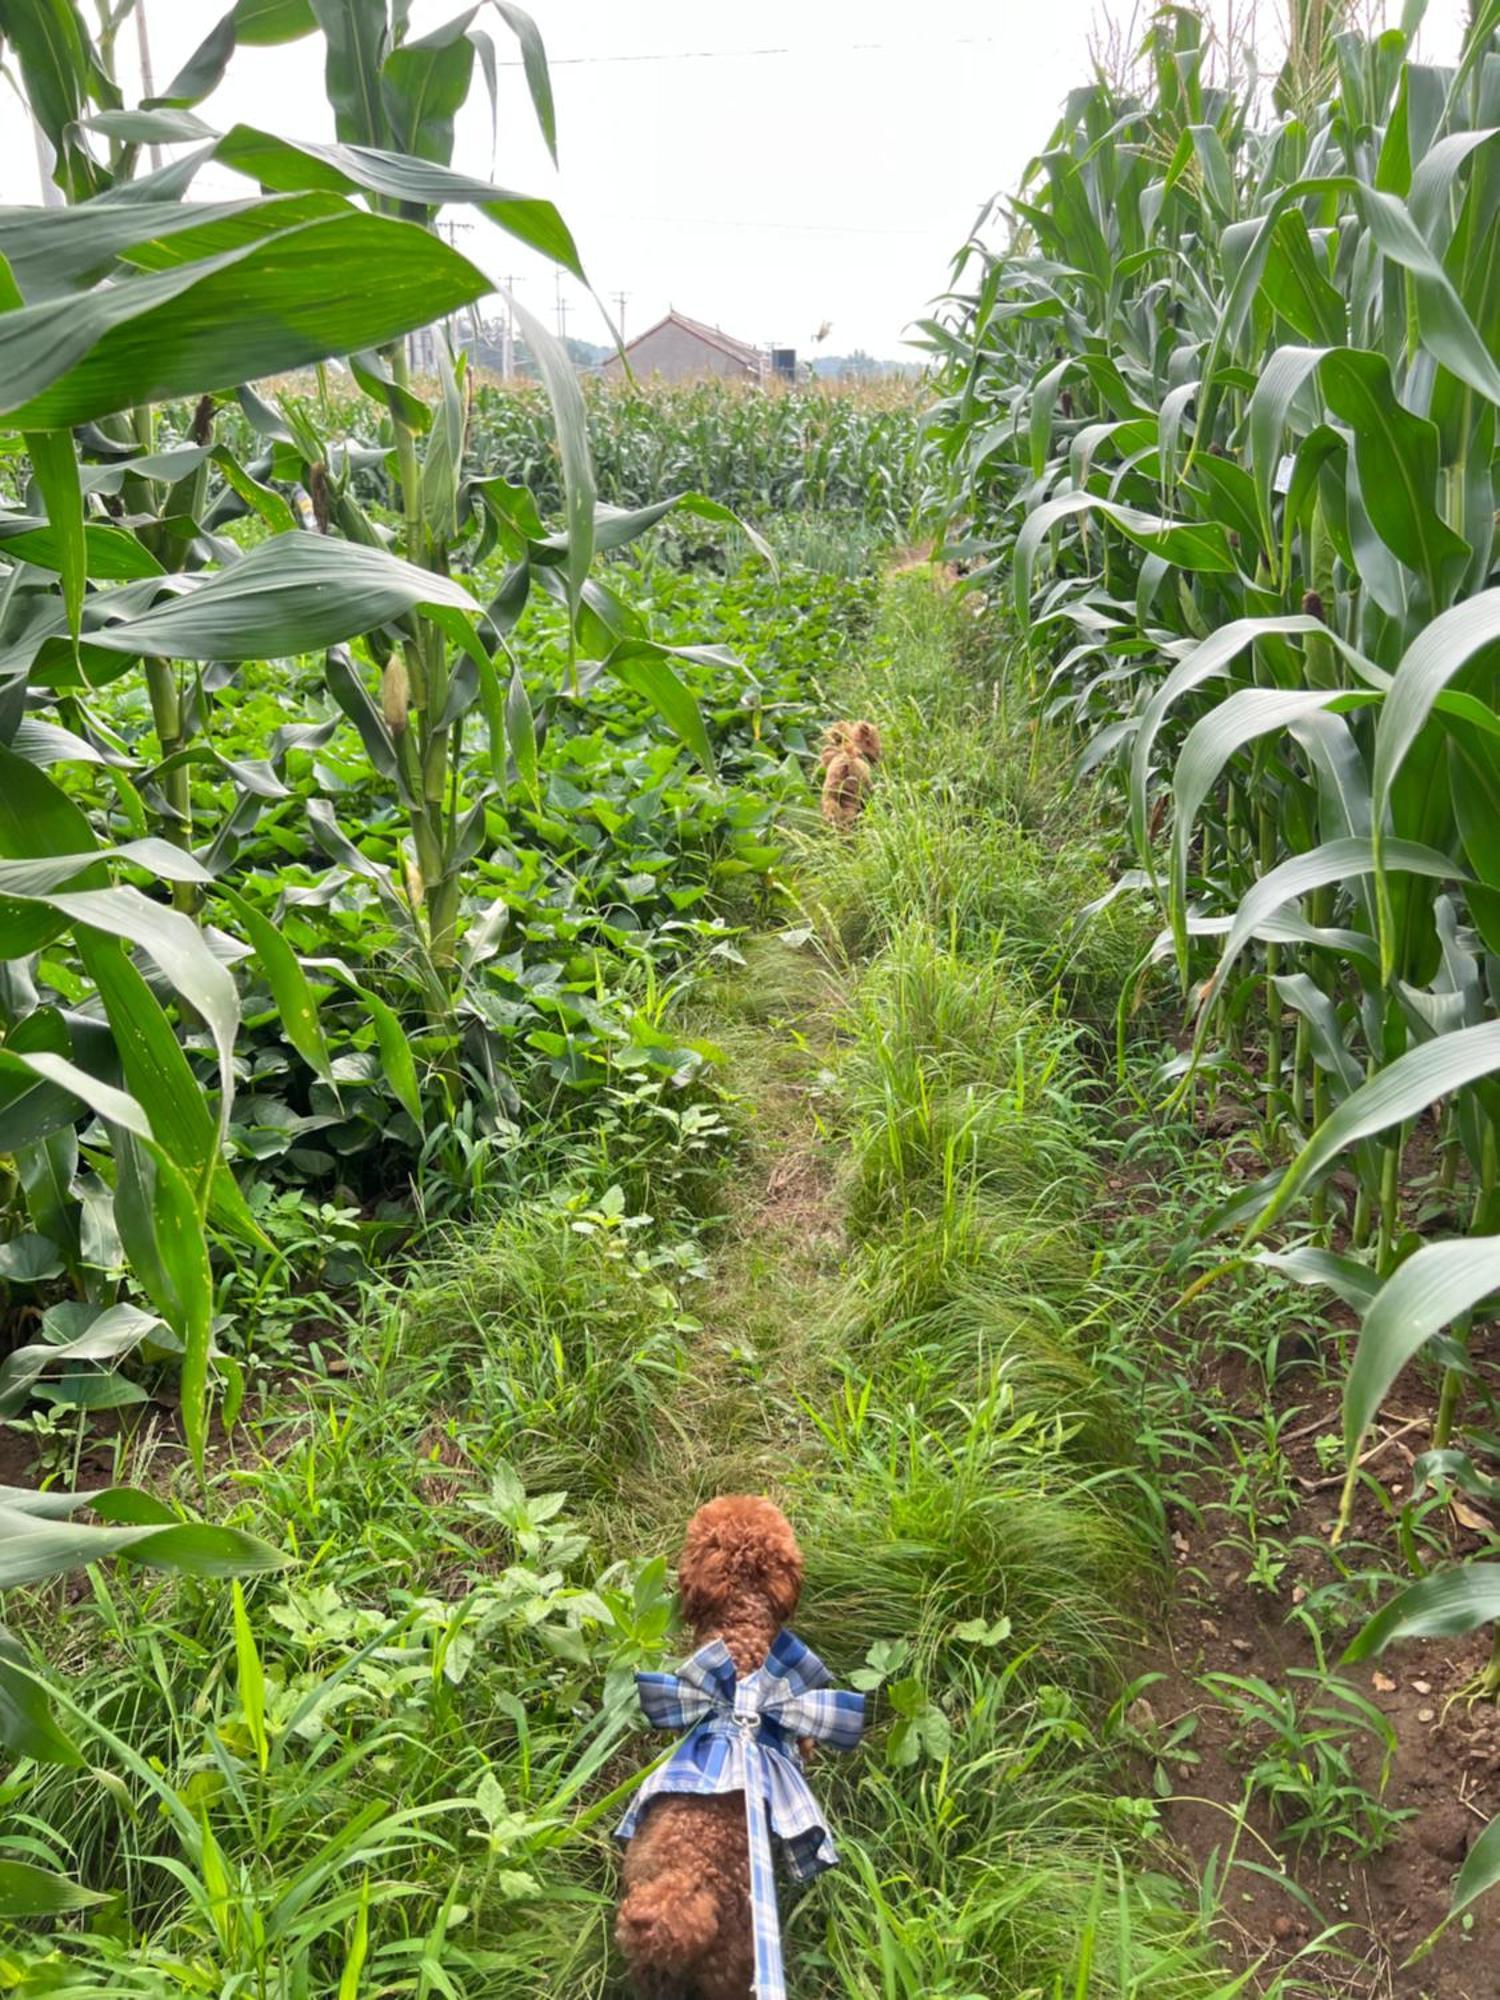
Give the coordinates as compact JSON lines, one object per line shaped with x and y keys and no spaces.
{"x":729,"y":1748}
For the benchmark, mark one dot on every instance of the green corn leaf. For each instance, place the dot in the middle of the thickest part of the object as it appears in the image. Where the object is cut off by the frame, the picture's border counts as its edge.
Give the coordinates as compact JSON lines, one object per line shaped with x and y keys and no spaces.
{"x":297,"y":1007}
{"x":251,"y":1678}
{"x":33,"y":1549}
{"x":534,"y":62}
{"x":159,"y":1075}
{"x":424,"y":84}
{"x":520,"y":731}
{"x":1441,"y":1606}
{"x":571,"y":418}
{"x":1441,"y":651}
{"x":1335,"y":861}
{"x":646,"y":667}
{"x":272,"y":304}
{"x":390,"y":1038}
{"x":117,"y":1107}
{"x":291,"y":594}
{"x":160,"y":1221}
{"x":1348,"y":1279}
{"x":249,"y":23}
{"x":1207,"y":660}
{"x":356,"y":33}
{"x":28,"y":1727}
{"x":1241,"y":719}
{"x":1432,"y":1070}
{"x":1190,"y":545}
{"x":1397,"y":456}
{"x":1481,"y":1869}
{"x":1435,"y":1284}
{"x":369,"y":168}
{"x":56,"y":466}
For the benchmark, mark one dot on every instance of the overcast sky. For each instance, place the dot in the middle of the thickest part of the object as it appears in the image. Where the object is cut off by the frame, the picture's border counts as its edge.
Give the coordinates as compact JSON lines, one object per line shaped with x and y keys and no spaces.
{"x":764,"y":168}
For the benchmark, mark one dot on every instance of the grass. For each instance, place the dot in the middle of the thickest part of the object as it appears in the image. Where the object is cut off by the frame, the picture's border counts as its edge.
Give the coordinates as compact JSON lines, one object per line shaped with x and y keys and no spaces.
{"x":873,"y":1293}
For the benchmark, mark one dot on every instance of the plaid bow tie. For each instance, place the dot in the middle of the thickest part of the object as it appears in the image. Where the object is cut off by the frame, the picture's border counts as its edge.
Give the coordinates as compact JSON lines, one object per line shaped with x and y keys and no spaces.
{"x":743,"y":1738}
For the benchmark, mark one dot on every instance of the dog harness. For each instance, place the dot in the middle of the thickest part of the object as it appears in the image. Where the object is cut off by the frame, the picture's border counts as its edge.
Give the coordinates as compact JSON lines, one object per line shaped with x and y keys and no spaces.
{"x":742,"y":1737}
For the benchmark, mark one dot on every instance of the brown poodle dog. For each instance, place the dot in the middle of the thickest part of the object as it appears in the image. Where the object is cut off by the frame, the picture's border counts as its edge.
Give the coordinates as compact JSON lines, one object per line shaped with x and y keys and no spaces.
{"x":684,"y":1924}
{"x":850,"y":749}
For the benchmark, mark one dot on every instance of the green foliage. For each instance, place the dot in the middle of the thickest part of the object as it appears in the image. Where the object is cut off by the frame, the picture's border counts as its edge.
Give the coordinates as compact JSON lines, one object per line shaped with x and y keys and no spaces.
{"x":1224,"y":405}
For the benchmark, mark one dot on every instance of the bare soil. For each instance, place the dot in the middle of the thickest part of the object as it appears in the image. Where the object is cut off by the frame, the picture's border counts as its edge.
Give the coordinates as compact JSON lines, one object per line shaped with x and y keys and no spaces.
{"x":1446,"y":1771}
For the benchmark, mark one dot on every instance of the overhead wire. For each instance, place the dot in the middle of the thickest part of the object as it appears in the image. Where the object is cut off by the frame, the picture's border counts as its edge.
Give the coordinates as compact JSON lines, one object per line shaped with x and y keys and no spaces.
{"x":732,"y":55}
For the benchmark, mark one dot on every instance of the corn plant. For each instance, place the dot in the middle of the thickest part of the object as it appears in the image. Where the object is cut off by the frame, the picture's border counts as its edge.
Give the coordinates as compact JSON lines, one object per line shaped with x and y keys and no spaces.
{"x":1224,"y":407}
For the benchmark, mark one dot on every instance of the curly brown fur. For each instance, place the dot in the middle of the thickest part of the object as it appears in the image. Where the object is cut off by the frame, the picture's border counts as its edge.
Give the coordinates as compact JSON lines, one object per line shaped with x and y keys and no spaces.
{"x":849,"y":750}
{"x":684,"y":1922}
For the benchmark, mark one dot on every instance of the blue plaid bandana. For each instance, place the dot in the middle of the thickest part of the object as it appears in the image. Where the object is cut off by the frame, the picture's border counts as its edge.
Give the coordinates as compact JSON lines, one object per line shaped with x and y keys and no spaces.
{"x":742,"y":1737}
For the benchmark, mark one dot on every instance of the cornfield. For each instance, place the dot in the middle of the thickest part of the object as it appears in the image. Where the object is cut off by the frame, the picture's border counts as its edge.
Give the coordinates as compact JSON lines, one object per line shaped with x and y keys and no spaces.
{"x":847,"y":451}
{"x":1223,"y":407}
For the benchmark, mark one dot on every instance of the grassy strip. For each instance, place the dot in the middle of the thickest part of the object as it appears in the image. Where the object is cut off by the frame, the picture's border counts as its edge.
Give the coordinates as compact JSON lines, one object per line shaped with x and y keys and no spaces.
{"x":901,"y":1325}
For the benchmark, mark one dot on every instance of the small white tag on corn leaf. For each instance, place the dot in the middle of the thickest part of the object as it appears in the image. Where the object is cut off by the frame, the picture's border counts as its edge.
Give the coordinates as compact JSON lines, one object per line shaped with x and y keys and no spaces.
{"x":1283,"y":480}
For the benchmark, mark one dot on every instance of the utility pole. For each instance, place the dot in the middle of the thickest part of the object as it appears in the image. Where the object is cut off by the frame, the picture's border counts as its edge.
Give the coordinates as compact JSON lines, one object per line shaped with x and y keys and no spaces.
{"x":619,"y":299}
{"x":562,"y":310}
{"x":148,"y":86}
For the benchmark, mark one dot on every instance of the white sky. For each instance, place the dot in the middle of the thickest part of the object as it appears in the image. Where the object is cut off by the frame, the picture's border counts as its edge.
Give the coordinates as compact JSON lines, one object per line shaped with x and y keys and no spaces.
{"x":829,"y":179}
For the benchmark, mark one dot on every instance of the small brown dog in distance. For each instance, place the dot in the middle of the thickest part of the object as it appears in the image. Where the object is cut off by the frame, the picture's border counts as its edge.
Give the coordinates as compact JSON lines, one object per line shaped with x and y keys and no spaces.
{"x":850,"y":751}
{"x":684,"y":1924}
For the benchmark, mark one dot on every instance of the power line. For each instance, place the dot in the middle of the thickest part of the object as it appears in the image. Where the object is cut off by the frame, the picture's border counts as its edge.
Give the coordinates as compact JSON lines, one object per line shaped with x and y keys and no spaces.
{"x":737,"y":55}
{"x":745,"y":222}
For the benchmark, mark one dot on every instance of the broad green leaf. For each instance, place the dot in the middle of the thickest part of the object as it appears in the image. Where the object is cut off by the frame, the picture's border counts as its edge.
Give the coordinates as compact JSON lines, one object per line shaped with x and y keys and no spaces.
{"x":115,"y":1106}
{"x":1441,"y":1606}
{"x":571,"y":418}
{"x":520,"y":730}
{"x":356,"y":34}
{"x":33,"y":1549}
{"x":646,"y":667}
{"x":1481,"y":1869}
{"x":294,"y":593}
{"x":297,"y":1008}
{"x":390,"y":1039}
{"x":29,"y":1891}
{"x":443,"y":458}
{"x":1432,"y":1070}
{"x":1397,"y":455}
{"x":370,"y":169}
{"x":250,"y":1677}
{"x":114,"y":1333}
{"x":1435,"y":1284}
{"x":1241,"y":719}
{"x":534,"y":61}
{"x":1441,"y":651}
{"x":62,"y":75}
{"x":160,"y":1220}
{"x":56,"y":467}
{"x":159,"y":1075}
{"x":107,"y":553}
{"x":1190,"y":545}
{"x":250,"y":22}
{"x":27,"y":1725}
{"x":1329,"y":1049}
{"x":1355,"y":1283}
{"x":58,"y":252}
{"x":176,"y":947}
{"x":273,"y":304}
{"x":423,"y":86}
{"x":1335,"y":861}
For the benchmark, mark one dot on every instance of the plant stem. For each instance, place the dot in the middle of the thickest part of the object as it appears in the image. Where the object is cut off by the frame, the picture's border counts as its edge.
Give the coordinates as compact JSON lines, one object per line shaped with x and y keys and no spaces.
{"x":166,"y":714}
{"x":1452,"y":1389}
{"x":1390,"y":1203}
